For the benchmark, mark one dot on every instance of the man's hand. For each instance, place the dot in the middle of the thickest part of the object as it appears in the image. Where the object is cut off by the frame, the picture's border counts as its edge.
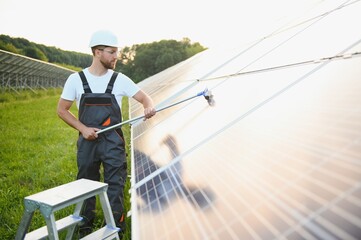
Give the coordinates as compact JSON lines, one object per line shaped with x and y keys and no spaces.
{"x":148,"y":113}
{"x":147,"y":102}
{"x":90,"y":133}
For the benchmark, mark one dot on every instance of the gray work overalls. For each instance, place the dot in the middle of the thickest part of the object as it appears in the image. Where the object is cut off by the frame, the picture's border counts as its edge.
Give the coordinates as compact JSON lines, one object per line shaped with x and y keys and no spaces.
{"x":101,"y":110}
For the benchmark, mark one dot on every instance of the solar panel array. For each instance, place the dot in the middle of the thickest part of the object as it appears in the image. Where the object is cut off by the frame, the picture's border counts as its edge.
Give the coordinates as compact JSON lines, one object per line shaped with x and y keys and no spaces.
{"x":277,"y":157}
{"x":19,"y":72}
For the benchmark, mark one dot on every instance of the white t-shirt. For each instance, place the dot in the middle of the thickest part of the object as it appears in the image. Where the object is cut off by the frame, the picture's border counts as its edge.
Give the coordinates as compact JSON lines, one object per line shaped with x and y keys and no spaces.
{"x":123,"y":86}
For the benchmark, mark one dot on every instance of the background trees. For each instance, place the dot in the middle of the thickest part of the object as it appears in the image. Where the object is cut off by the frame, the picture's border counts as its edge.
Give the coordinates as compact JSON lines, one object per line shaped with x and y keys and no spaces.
{"x":138,"y":61}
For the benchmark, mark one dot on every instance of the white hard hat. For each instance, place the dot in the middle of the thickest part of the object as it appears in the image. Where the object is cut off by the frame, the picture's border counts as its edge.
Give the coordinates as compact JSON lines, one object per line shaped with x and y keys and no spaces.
{"x":103,"y":37}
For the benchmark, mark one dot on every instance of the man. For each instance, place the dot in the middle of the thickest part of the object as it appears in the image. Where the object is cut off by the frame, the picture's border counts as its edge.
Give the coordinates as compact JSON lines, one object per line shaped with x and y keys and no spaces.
{"x":98,"y":91}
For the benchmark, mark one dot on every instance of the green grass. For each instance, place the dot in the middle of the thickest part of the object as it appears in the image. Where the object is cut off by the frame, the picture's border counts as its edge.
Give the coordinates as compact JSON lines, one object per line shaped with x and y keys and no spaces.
{"x":37,"y":152}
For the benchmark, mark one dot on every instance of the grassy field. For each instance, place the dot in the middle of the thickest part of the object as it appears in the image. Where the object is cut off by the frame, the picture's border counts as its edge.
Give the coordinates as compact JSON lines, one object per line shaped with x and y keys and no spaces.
{"x":37,"y":152}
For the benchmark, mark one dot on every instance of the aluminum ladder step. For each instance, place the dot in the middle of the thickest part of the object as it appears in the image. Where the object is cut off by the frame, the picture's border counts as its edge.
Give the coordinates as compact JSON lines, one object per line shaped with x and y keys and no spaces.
{"x":105,"y":233}
{"x":61,"y":224}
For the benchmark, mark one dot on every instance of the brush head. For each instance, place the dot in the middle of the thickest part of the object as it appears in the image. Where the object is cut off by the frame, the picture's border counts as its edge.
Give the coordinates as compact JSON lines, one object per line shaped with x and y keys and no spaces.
{"x":209,"y":97}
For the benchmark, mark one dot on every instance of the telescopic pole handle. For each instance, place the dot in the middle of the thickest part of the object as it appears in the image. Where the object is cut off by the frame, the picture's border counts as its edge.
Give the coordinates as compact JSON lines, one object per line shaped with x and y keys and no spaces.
{"x":119,"y":124}
{"x":157,"y":110}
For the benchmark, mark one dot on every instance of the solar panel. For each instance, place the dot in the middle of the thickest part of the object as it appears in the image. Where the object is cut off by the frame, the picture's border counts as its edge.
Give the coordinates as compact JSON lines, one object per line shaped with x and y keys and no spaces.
{"x":277,"y":157}
{"x":21,"y":72}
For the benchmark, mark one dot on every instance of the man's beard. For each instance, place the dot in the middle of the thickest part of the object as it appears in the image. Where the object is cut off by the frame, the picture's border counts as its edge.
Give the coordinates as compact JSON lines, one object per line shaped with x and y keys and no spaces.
{"x":108,"y":65}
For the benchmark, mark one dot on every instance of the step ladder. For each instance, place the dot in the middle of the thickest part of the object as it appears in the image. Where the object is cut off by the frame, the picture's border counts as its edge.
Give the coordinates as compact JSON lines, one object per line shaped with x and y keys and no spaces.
{"x":54,"y":199}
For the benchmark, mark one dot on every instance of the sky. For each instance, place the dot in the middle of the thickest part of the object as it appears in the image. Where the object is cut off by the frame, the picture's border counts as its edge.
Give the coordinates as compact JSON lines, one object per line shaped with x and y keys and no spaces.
{"x":68,"y":24}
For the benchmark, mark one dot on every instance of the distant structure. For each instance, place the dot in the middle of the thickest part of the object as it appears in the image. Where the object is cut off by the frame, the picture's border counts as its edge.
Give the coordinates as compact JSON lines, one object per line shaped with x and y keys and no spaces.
{"x":18,"y":73}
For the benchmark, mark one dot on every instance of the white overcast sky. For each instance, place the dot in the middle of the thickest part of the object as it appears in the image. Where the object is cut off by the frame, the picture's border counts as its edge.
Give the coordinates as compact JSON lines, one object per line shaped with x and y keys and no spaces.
{"x":68,"y":24}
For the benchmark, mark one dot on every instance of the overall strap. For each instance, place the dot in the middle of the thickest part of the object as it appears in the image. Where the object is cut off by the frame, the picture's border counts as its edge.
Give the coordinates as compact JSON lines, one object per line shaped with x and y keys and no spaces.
{"x":111,"y":83}
{"x":85,"y":83}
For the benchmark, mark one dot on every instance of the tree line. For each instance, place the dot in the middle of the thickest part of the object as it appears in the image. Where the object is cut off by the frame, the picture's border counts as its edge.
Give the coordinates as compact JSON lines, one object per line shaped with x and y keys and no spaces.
{"x":138,"y":61}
